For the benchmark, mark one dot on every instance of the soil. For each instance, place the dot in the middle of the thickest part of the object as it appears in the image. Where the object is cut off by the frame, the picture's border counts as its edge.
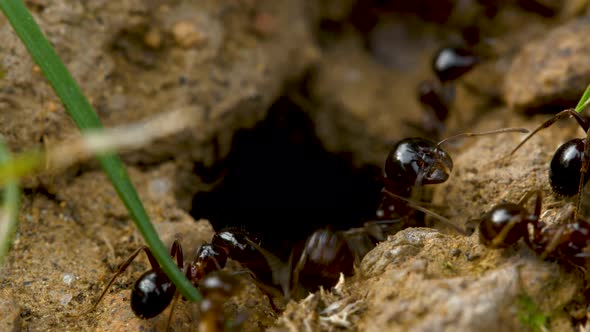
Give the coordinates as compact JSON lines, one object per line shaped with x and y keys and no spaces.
{"x":350,"y":68}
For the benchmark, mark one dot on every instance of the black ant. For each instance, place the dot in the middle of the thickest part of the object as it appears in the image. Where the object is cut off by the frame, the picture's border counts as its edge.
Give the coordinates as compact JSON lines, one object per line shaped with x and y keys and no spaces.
{"x":506,"y":223}
{"x":436,"y":101}
{"x":153,"y":291}
{"x":414,"y":162}
{"x":436,"y":97}
{"x":568,"y":170}
{"x":450,"y":63}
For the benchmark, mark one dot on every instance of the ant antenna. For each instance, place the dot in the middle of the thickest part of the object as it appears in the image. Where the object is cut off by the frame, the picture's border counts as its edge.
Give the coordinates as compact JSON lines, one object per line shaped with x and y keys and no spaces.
{"x":483,"y":133}
{"x":415,"y":205}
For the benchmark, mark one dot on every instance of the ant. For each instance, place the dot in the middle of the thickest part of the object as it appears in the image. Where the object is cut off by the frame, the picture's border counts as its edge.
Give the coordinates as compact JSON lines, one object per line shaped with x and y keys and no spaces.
{"x":449,"y":63}
{"x":436,"y":97}
{"x":153,"y":291}
{"x":506,"y":223}
{"x":216,"y":287}
{"x":568,"y":170}
{"x":436,"y":101}
{"x":414,"y":162}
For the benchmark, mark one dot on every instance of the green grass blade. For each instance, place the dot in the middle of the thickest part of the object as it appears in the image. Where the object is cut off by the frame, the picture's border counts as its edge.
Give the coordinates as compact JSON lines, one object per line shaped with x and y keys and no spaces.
{"x":9,"y":212}
{"x":85,"y":118}
{"x":584,"y":101}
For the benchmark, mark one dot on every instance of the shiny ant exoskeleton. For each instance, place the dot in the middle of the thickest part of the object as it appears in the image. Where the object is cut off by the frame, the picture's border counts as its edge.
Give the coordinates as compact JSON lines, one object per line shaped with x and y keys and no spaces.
{"x":436,"y":97}
{"x":153,"y":291}
{"x":568,"y":170}
{"x":450,"y":63}
{"x":318,"y":262}
{"x":413,"y":163}
{"x":506,"y":223}
{"x":436,"y":101}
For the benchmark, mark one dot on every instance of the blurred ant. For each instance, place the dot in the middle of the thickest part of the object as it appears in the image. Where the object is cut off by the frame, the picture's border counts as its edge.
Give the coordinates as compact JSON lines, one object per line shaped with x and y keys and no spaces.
{"x":449,"y":63}
{"x":568,"y":170}
{"x":216,"y":288}
{"x":322,"y":258}
{"x":436,"y":97}
{"x":436,"y":101}
{"x":506,"y":223}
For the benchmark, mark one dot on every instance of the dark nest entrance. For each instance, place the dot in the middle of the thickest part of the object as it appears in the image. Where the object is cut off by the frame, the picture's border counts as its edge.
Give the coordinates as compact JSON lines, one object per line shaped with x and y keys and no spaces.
{"x":280,"y":183}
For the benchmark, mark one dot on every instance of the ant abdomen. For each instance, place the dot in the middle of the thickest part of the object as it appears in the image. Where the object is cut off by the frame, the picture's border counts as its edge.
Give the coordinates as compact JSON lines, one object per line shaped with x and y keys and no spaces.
{"x":151,"y":294}
{"x":450,"y":63}
{"x":503,"y":226}
{"x":564,"y":170}
{"x":325,"y":255}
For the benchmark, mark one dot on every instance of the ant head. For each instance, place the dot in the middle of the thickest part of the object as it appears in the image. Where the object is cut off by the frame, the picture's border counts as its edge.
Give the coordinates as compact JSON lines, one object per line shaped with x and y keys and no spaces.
{"x":415,"y":160}
{"x":503,"y":226}
{"x":234,"y":242}
{"x":564,"y":170}
{"x":151,"y":294}
{"x":450,"y":63}
{"x":213,"y":257}
{"x":209,"y":258}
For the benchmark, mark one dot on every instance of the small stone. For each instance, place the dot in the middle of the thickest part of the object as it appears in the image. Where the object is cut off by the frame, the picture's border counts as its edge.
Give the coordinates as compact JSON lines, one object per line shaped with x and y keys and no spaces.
{"x":65,"y":299}
{"x":187,"y":35}
{"x":153,"y":38}
{"x":68,"y":278}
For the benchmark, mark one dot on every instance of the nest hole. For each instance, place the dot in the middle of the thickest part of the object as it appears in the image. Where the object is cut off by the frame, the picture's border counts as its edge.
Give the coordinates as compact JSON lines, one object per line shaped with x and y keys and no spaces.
{"x":281,"y":184}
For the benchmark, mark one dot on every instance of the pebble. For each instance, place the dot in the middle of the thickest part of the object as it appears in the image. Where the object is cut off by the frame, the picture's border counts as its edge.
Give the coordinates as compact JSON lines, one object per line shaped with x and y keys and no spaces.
{"x":187,"y":35}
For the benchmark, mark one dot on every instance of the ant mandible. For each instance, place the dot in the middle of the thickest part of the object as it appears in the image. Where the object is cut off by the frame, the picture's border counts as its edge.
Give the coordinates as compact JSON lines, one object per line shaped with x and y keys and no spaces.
{"x":568,"y":170}
{"x":506,"y":223}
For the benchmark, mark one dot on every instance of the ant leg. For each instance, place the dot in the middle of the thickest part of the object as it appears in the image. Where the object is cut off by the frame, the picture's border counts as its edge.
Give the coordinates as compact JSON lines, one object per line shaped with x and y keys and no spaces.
{"x":297,"y":270}
{"x":533,"y":219}
{"x":266,"y":290}
{"x":499,"y":239}
{"x":583,"y":173}
{"x":414,"y":205}
{"x":280,"y":271}
{"x":526,"y":197}
{"x":484,"y":133}
{"x":561,"y":115}
{"x":556,"y":237}
{"x":174,"y":300}
{"x":176,"y":250}
{"x":154,"y":264}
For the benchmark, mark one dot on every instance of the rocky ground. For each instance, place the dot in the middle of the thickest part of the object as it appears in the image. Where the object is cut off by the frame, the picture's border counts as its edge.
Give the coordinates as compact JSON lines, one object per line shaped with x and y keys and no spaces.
{"x":352,"y":68}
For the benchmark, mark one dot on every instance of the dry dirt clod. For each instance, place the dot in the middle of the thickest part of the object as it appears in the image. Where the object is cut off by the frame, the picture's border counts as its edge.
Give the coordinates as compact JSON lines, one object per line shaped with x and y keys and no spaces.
{"x":551,"y":72}
{"x":187,"y":35}
{"x":10,"y":319}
